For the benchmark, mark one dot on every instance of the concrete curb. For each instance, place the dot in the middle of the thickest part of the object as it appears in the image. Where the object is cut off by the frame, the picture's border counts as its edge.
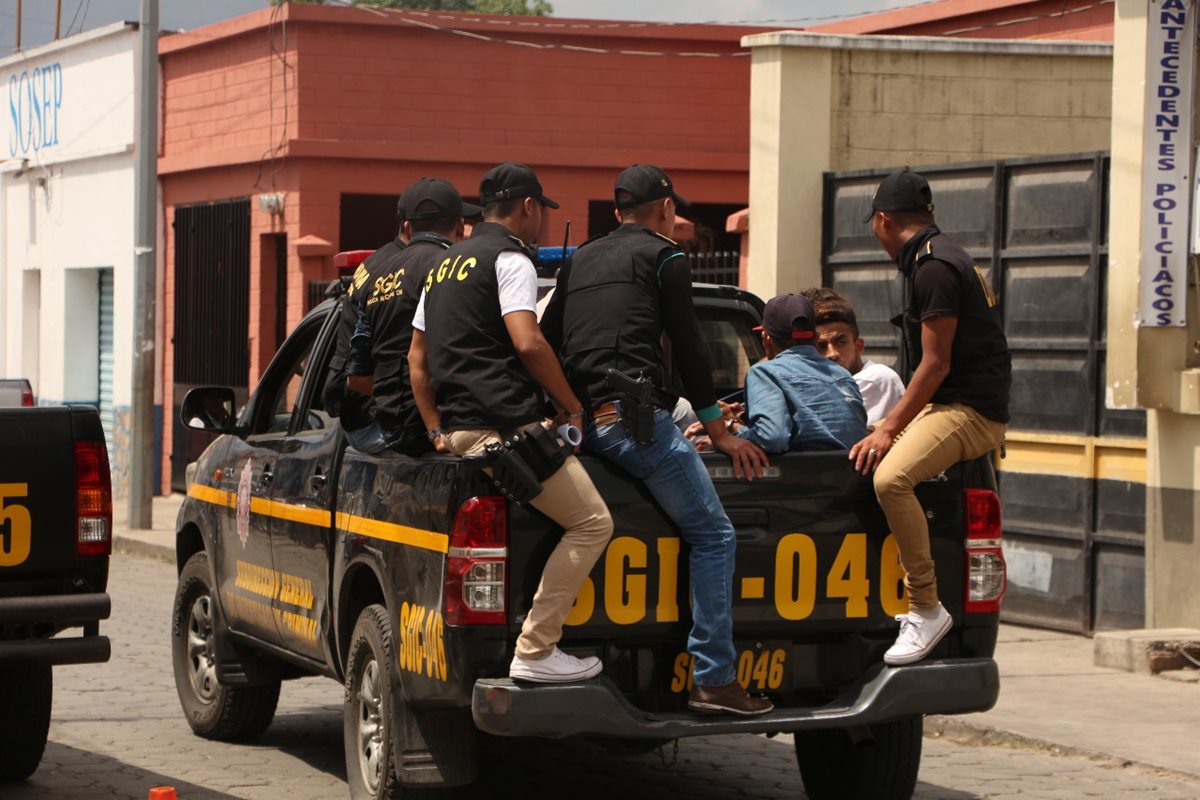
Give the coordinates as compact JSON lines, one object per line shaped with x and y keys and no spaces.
{"x":127,"y":544}
{"x":963,"y":731}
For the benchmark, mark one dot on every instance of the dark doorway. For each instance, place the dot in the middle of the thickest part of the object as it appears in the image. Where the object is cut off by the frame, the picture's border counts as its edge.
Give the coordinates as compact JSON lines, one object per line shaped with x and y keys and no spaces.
{"x":212,"y":312}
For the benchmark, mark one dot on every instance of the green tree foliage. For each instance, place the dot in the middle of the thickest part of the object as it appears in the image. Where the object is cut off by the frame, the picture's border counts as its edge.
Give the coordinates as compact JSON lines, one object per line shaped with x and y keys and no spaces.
{"x":532,"y":8}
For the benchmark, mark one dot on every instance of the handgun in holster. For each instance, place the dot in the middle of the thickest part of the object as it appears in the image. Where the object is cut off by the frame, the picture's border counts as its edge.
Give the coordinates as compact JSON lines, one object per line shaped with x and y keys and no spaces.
{"x":637,"y":404}
{"x":524,"y":458}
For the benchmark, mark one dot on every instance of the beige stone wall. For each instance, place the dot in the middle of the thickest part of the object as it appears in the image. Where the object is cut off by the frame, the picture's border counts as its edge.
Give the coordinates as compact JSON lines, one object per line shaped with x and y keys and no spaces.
{"x":821,"y":102}
{"x":912,"y":107}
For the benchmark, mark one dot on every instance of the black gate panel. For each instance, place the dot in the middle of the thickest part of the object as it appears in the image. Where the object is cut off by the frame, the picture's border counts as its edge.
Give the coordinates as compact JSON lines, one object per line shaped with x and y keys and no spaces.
{"x":1038,"y":229}
{"x":212,"y":312}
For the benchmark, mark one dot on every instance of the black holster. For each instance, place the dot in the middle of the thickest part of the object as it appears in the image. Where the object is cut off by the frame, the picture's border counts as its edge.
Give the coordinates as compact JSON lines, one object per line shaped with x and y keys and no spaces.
{"x":524,"y":458}
{"x":637,"y":405}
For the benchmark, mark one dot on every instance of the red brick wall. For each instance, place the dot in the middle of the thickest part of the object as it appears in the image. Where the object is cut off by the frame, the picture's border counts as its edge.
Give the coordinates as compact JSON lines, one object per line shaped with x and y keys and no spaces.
{"x":373,"y":103}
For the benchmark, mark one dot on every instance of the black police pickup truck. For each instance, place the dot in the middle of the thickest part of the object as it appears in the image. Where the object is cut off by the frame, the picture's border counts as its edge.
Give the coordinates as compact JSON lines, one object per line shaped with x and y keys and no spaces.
{"x":55,"y":540}
{"x":407,"y":579}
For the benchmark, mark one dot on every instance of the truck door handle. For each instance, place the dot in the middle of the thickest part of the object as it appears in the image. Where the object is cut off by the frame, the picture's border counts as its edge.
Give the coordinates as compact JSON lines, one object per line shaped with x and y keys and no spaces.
{"x":267,"y":474}
{"x":319,"y":481}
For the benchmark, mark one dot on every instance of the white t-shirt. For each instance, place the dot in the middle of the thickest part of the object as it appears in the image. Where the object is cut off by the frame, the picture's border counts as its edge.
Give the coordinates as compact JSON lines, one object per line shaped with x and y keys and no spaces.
{"x":881,"y":389}
{"x":517,"y":278}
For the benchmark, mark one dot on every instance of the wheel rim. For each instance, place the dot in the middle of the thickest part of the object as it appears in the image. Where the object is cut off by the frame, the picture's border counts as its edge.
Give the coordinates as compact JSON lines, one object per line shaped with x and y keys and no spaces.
{"x":370,"y":727}
{"x":202,"y":667}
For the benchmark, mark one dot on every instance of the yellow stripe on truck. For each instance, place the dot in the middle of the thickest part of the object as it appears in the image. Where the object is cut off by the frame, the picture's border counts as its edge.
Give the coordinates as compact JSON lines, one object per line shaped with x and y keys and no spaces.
{"x":319,"y":517}
{"x":391,"y":532}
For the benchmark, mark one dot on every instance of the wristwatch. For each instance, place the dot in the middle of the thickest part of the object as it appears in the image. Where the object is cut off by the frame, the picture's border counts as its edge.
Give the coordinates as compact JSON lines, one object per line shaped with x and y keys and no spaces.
{"x":434,"y":434}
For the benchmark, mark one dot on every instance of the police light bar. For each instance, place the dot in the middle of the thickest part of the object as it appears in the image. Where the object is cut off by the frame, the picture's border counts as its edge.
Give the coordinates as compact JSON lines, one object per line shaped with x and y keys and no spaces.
{"x":348,"y":260}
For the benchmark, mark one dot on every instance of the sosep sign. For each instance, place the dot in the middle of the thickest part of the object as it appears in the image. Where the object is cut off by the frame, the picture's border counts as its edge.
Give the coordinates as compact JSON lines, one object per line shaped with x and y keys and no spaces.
{"x":1166,"y":163}
{"x":35,"y":98}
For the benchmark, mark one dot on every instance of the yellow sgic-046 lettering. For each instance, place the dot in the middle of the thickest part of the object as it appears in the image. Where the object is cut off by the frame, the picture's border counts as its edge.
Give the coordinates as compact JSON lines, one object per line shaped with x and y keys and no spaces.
{"x":422,"y":643}
{"x":756,"y":670}
{"x":798,"y":580}
{"x":16,"y":544}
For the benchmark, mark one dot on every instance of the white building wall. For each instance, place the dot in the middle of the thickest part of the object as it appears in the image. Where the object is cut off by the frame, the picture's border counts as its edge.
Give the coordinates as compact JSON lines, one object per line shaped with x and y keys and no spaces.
{"x":67,"y":137}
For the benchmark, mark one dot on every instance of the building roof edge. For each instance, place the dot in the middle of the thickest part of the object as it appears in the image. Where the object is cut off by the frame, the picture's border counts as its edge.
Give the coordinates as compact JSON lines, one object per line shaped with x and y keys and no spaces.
{"x":927,"y":44}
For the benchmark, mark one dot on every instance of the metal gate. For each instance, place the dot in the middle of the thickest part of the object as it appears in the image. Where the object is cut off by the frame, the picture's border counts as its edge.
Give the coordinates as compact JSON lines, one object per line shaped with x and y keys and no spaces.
{"x":212,"y":312}
{"x":1073,"y":484}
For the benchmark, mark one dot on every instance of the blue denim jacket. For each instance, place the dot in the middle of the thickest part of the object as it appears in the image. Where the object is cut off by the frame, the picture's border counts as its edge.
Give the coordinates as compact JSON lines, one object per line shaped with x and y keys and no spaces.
{"x":801,"y":400}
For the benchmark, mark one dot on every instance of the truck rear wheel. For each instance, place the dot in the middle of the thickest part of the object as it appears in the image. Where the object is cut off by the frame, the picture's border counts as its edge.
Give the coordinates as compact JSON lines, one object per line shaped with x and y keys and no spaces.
{"x":372,"y":768}
{"x":212,"y":709}
{"x":880,"y":766}
{"x":25,"y":700}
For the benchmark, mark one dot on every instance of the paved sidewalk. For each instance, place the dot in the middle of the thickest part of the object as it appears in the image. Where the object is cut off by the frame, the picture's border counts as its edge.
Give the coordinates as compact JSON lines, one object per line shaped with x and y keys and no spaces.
{"x":1052,"y":695}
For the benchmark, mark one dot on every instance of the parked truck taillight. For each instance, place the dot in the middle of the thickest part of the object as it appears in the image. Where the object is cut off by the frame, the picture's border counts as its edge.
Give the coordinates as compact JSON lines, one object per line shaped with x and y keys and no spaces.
{"x":27,"y":395}
{"x":477,"y":567}
{"x":93,"y":500}
{"x":985,"y":578}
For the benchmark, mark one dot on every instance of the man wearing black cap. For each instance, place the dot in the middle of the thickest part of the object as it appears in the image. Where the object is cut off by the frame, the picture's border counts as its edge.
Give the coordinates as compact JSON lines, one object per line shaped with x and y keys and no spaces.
{"x":956,"y":405}
{"x":798,"y":399}
{"x":479,"y":365}
{"x":432,"y":213}
{"x":611,"y":306}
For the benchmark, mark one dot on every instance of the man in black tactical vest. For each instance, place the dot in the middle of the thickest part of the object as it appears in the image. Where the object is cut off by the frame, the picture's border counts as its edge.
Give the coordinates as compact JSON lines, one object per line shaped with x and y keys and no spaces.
{"x":611,"y":306}
{"x":479,"y":365}
{"x":432,"y":214}
{"x":956,"y":405}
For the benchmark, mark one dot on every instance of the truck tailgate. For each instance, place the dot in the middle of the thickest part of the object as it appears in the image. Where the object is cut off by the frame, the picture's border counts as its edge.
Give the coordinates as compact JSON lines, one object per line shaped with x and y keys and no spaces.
{"x":37,"y":494}
{"x":817,"y":582}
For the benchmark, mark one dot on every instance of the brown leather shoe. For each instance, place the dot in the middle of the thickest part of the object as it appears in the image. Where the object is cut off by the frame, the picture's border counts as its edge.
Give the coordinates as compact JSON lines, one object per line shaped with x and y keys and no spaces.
{"x":729,"y":699}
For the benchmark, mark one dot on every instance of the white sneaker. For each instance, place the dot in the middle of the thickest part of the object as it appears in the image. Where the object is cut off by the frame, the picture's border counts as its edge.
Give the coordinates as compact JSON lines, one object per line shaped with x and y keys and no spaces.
{"x":919,"y":632}
{"x":558,"y":667}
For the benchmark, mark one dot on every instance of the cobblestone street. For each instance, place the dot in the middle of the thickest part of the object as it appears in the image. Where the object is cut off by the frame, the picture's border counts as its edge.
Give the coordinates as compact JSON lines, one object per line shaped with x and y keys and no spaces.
{"x":118,"y":730}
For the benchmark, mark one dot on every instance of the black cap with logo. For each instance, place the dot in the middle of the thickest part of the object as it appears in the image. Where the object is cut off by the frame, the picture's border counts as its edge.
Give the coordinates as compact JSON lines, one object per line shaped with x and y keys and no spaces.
{"x":645,"y":182}
{"x":432,"y":198}
{"x":510,"y":180}
{"x":903,"y":190}
{"x":789,"y":316}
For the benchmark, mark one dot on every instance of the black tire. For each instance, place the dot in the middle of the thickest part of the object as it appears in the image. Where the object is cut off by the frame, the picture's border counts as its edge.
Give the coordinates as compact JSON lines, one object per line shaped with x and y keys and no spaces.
{"x":372,"y":768}
{"x":25,"y":700}
{"x":881,"y":766}
{"x":212,"y":709}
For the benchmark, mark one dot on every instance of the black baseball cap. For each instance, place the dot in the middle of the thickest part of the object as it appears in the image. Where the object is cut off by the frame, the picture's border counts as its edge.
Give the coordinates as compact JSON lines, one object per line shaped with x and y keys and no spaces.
{"x":789,"y":316}
{"x":430,"y":198}
{"x":510,"y":180}
{"x":645,"y":182}
{"x":903,"y":190}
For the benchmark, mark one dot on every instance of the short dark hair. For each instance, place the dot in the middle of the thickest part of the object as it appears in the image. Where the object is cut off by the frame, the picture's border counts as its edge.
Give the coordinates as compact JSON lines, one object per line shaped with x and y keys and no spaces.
{"x":503,"y":208}
{"x":640,"y":211}
{"x":785,"y":344}
{"x":906,"y":219}
{"x":832,"y":306}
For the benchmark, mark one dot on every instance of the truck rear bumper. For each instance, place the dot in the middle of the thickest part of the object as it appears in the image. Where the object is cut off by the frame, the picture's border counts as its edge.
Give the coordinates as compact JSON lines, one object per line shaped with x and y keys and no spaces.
{"x":57,"y":610}
{"x":597,"y":708}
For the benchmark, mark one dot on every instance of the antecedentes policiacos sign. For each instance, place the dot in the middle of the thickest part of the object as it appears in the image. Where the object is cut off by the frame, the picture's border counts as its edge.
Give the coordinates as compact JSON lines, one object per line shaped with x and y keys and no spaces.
{"x":1166,"y":166}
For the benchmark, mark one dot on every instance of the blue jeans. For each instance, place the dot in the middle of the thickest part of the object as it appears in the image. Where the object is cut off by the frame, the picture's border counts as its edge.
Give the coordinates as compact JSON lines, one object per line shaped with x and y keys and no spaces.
{"x":673,"y":472}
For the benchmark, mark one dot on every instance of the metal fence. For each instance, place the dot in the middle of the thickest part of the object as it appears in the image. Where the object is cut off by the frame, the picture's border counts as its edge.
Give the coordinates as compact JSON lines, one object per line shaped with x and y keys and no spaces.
{"x":715,"y":266}
{"x":1074,"y":522}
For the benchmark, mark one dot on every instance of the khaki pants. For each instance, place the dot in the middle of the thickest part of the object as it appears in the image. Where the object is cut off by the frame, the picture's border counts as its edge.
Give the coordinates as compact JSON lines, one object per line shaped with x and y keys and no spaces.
{"x":569,"y":498}
{"x":937,"y":438}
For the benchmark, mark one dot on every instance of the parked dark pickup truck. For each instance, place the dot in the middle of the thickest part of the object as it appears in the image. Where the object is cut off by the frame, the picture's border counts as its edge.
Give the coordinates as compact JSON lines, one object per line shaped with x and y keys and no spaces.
{"x":408,"y":580}
{"x":55,"y":540}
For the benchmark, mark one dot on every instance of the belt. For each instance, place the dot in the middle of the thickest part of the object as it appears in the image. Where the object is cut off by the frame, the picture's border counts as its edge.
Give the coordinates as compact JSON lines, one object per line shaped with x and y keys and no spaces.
{"x":605,"y":414}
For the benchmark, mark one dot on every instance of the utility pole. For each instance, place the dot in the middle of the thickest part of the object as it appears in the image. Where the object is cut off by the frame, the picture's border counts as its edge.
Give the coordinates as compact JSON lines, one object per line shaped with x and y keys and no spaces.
{"x":141,"y":417}
{"x":18,"y":24}
{"x":57,"y":18}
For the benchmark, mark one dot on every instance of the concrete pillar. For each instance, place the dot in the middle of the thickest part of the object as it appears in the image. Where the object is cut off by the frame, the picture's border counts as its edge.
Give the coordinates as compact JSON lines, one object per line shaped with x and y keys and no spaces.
{"x":790,"y":110}
{"x":1153,"y":368}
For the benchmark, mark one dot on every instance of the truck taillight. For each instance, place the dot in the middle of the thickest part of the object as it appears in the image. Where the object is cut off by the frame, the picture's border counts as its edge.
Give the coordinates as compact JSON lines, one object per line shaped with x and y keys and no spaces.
{"x":985,"y":569}
{"x":93,"y":500}
{"x":27,"y":395}
{"x":477,"y":566}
